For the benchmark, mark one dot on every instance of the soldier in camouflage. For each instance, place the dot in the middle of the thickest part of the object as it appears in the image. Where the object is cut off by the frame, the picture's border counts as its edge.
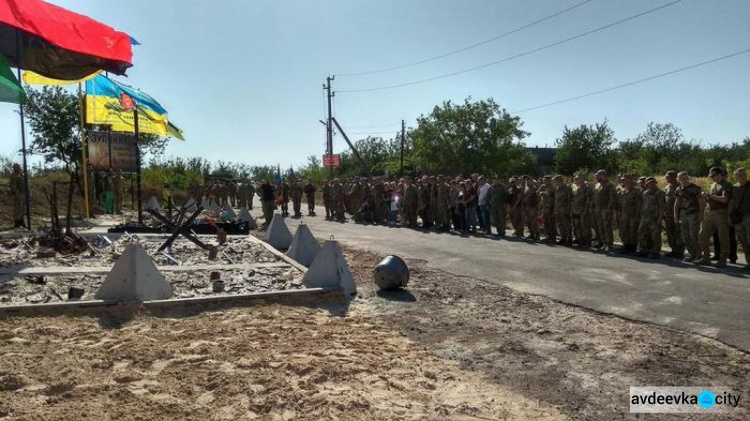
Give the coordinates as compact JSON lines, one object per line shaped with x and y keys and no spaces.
{"x":547,"y":206}
{"x":580,"y":210}
{"x":688,"y":212}
{"x":497,"y":200}
{"x":628,"y":213}
{"x":563,"y":199}
{"x":604,"y":205}
{"x":649,"y":229}
{"x":531,"y":207}
{"x":674,"y":238}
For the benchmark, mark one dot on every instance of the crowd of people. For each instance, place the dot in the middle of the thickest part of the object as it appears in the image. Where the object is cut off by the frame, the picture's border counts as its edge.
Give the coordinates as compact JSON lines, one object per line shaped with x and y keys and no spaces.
{"x":580,"y":214}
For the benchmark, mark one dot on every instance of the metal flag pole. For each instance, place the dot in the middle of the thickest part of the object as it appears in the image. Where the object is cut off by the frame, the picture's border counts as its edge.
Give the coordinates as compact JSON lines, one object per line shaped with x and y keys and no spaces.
{"x":138,"y":162}
{"x":26,"y":189}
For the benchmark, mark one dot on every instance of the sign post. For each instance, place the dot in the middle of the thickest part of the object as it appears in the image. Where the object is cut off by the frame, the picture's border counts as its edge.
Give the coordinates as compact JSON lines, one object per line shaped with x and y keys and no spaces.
{"x":128,"y":103}
{"x":332,"y":160}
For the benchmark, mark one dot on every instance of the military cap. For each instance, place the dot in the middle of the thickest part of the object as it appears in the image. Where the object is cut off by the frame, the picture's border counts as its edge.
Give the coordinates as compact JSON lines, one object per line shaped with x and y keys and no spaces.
{"x":671,"y":173}
{"x":650,"y":179}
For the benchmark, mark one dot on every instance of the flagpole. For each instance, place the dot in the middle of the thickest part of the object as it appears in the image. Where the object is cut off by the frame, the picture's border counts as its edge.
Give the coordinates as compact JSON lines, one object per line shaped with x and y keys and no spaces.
{"x":138,"y":161}
{"x":84,"y":152}
{"x":27,"y":192}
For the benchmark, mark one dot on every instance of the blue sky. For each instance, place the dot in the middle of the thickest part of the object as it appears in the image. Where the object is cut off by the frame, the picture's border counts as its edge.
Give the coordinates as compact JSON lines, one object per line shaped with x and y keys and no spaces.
{"x":243,"y":78}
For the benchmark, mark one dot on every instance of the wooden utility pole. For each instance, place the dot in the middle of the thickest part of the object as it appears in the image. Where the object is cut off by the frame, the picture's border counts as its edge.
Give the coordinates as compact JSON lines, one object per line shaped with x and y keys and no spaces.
{"x":403,"y":140}
{"x":329,"y":126}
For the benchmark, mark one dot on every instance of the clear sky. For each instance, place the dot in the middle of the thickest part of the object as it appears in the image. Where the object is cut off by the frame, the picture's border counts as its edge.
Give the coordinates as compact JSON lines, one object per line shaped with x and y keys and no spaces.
{"x":243,"y":78}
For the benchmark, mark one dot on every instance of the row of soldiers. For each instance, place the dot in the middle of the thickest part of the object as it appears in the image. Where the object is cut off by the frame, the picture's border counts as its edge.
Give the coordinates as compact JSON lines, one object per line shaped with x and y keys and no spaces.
{"x":581,"y":213}
{"x":224,"y":192}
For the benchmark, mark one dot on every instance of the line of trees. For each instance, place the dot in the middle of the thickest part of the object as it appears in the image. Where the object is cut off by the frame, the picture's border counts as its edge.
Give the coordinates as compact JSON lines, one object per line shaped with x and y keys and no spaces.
{"x":454,"y":138}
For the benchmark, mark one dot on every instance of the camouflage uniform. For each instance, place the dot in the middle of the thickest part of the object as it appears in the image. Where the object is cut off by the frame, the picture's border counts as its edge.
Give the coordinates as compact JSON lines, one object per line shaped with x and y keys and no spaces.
{"x":295,"y":191}
{"x":442,"y":206}
{"x":309,"y":191}
{"x":563,"y":199}
{"x":649,"y":229}
{"x":673,"y":230}
{"x":424,"y":204}
{"x":328,"y":200}
{"x":497,"y":200}
{"x":516,"y":211}
{"x":531,"y":212}
{"x":604,"y":203}
{"x":547,"y":195}
{"x":629,"y":209}
{"x":716,"y":220}
{"x":411,"y":204}
{"x":338,"y":196}
{"x":580,"y":210}
{"x":689,"y":217}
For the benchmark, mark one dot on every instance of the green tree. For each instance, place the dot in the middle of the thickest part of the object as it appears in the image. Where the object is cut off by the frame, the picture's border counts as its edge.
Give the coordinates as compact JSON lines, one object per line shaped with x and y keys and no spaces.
{"x":585,"y":148}
{"x":53,"y":116}
{"x":473,"y":137}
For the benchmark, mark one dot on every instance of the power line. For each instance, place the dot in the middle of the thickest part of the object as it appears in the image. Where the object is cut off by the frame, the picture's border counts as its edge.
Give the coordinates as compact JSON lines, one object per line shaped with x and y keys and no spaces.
{"x":635,"y":82}
{"x":525,"y":53}
{"x":460,"y":50}
{"x":378,"y":126}
{"x":372,"y":133}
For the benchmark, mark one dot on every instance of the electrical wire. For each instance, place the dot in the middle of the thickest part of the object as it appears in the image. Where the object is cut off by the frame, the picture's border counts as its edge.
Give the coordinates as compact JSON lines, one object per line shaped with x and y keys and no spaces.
{"x":525,"y":53}
{"x":635,"y":82}
{"x":373,"y":133}
{"x":460,"y":50}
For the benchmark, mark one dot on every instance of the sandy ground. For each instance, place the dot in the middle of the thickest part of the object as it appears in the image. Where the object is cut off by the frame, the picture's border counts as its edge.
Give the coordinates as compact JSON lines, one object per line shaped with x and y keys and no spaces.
{"x":446,"y":348}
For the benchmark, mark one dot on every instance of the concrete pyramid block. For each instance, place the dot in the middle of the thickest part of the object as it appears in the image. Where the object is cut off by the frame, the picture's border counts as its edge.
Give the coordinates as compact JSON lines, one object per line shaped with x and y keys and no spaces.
{"x":134,"y":278}
{"x":245,"y":216}
{"x":329,"y":270}
{"x":228,"y":214}
{"x":304,"y":246}
{"x":278,"y":234}
{"x":153,"y":203}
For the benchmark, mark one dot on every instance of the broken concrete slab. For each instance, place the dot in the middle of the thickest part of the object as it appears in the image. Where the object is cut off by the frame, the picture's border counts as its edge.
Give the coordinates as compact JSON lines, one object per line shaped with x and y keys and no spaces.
{"x":278,"y":234}
{"x":330,"y":270}
{"x":134,"y":277}
{"x":304,"y":246}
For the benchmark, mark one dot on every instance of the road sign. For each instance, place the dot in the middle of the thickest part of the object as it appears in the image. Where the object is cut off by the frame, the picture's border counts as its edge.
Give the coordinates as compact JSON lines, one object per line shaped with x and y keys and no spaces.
{"x":332,"y":160}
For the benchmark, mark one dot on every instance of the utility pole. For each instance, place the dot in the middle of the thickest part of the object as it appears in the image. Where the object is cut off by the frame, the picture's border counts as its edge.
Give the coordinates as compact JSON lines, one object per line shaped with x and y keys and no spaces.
{"x":403,"y":140}
{"x":329,"y":126}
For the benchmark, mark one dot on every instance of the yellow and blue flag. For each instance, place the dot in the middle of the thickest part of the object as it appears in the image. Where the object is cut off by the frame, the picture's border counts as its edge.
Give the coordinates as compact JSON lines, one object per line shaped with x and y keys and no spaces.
{"x":104,"y":106}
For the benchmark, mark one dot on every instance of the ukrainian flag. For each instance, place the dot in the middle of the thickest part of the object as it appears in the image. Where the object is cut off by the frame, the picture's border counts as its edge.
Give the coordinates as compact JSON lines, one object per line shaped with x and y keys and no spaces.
{"x":103,"y":106}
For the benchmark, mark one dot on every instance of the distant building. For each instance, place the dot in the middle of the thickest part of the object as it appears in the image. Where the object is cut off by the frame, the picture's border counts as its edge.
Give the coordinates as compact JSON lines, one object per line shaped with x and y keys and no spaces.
{"x":545,"y":158}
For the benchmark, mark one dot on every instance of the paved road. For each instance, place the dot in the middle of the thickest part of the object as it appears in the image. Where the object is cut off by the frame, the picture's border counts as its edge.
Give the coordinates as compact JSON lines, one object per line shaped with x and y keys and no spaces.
{"x":697,"y":299}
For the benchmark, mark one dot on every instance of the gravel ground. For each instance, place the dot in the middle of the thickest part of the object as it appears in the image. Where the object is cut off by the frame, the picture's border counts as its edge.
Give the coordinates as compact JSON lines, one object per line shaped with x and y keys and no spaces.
{"x":448,"y":347}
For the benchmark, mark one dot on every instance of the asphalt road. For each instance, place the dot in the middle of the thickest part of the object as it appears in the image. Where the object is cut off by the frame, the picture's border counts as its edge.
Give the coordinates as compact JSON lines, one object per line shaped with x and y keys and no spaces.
{"x":704,"y":300}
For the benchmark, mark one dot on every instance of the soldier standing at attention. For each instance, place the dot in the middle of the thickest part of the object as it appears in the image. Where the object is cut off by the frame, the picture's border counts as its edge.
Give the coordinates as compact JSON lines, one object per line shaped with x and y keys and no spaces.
{"x":328,"y":200}
{"x":649,"y":228}
{"x":547,"y":206}
{"x":17,"y":195}
{"x":629,"y":208}
{"x":296,"y":192}
{"x":716,"y":217}
{"x":339,"y":198}
{"x":442,"y":204}
{"x":516,"y":208}
{"x":604,"y":204}
{"x":531,"y":207}
{"x":497,"y":200}
{"x":411,"y":203}
{"x":563,"y":199}
{"x":741,"y":212}
{"x":267,"y":200}
{"x":285,"y":198}
{"x":673,"y":232}
{"x":309,"y":191}
{"x":580,"y":210}
{"x":688,"y":212}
